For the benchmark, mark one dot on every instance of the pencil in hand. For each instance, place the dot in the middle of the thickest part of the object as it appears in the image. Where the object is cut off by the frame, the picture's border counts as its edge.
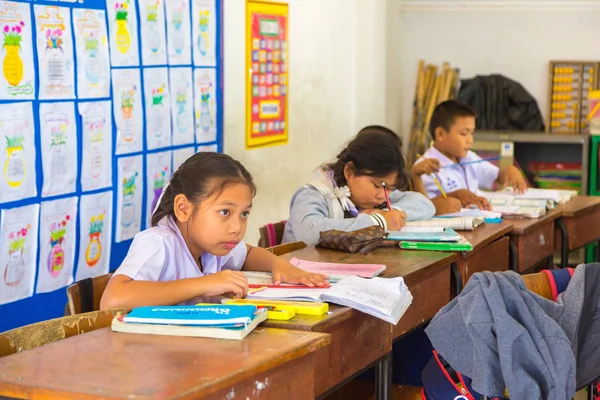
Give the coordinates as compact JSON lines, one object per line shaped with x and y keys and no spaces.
{"x":387,"y":196}
{"x":437,"y":183}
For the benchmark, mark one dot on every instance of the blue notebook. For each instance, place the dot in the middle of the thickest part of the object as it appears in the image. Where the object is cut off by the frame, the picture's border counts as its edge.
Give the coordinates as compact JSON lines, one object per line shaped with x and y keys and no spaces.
{"x":448,"y":235}
{"x":214,"y":315}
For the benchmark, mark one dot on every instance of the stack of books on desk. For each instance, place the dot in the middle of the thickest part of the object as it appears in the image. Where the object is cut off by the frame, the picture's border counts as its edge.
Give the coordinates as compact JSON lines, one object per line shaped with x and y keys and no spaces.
{"x":430,"y":238}
{"x":213,"y":321}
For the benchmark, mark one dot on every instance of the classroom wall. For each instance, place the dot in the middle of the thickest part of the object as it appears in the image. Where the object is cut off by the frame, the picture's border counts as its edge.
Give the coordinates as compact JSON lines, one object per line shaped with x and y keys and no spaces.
{"x":338,"y":84}
{"x":513,"y":38}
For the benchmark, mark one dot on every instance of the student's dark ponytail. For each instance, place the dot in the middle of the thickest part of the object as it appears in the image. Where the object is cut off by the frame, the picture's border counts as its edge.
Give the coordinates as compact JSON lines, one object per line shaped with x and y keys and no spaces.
{"x":199,"y":177}
{"x":375,"y":151}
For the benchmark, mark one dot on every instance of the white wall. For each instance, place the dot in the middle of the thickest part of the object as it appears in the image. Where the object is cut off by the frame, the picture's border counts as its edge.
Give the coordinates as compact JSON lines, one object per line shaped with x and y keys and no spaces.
{"x":514,"y":38}
{"x":337,"y":78}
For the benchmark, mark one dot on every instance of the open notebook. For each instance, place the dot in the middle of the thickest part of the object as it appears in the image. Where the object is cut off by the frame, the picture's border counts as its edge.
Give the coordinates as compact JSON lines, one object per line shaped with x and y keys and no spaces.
{"x":383,"y":298}
{"x":459,"y":223}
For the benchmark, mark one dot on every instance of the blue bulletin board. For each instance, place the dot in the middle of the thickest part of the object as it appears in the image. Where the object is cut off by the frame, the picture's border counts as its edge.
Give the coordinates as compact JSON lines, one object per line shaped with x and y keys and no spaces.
{"x":159,"y":64}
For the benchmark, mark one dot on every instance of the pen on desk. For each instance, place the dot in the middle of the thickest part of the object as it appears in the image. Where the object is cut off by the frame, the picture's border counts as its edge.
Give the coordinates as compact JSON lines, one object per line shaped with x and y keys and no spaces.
{"x":257,"y":288}
{"x":387,"y":196}
{"x":437,"y":183}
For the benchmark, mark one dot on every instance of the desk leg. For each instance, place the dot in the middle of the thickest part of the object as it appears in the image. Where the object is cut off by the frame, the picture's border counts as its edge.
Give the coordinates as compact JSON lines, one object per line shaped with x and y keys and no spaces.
{"x":564,"y":244}
{"x":456,"y":279}
{"x":513,"y":256}
{"x":383,"y":377}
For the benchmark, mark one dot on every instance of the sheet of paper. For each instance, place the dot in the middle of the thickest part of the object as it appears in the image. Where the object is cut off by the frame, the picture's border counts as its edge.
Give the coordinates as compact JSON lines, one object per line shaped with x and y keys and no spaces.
{"x":123,"y":32}
{"x":205,"y":104}
{"x":204,"y":33}
{"x":17,"y":156}
{"x":18,"y":75}
{"x":158,"y":173}
{"x":158,"y":113}
{"x":18,"y":252}
{"x":127,"y":109}
{"x":421,"y":229}
{"x":55,"y":52}
{"x":179,"y":32}
{"x":129,"y":197}
{"x":57,"y":244}
{"x":95,"y":235}
{"x":210,"y":147}
{"x":180,"y":155}
{"x":59,"y":148}
{"x":91,"y":49}
{"x":152,"y":23}
{"x":182,"y":105}
{"x":96,"y":128}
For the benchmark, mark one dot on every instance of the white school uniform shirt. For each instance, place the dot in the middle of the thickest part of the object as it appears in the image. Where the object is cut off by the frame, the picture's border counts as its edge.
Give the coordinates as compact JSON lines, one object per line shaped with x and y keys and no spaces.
{"x":160,"y":254}
{"x":481,"y":175}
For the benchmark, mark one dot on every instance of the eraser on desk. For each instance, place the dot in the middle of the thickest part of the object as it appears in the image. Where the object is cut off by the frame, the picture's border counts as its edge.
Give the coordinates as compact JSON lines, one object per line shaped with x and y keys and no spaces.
{"x":300,"y":307}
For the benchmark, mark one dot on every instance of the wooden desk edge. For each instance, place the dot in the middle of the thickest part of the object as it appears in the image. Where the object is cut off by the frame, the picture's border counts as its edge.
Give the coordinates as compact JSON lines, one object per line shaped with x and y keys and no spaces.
{"x":507,"y":229}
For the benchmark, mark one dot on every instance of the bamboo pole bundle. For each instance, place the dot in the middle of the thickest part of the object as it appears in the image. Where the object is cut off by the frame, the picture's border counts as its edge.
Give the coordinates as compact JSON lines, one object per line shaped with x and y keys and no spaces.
{"x":431,"y":89}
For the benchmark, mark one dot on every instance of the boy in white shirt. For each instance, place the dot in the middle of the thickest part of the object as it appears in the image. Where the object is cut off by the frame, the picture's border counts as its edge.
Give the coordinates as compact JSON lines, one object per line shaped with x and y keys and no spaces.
{"x":452,"y":126}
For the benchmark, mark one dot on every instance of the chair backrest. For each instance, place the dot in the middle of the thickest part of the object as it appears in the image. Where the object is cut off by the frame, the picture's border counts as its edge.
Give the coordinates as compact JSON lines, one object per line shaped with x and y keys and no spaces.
{"x":84,"y":296}
{"x":539,"y":284}
{"x":286,"y":248}
{"x":41,"y":333}
{"x":271,"y":234}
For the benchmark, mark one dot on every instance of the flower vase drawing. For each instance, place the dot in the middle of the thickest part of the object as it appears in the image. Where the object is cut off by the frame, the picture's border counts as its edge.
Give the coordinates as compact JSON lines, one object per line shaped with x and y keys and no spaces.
{"x":181,"y":103}
{"x":128,"y":121}
{"x":58,"y":154}
{"x":15,"y":266}
{"x":205,"y":117}
{"x":123,"y":37}
{"x":56,"y":255}
{"x":14,"y":166}
{"x":178,"y":36}
{"x":95,"y":67}
{"x":152,"y":19}
{"x":94,"y":247}
{"x":202,"y":40}
{"x":12,"y":66}
{"x":157,"y":106}
{"x":56,"y":68}
{"x":128,"y":206}
{"x":158,"y":184}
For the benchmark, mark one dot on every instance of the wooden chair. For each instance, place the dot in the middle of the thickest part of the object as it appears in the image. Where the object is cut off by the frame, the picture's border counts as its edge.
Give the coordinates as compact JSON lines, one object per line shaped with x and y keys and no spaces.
{"x":41,"y":333}
{"x":286,"y":248}
{"x":84,"y":296}
{"x":271,"y":234}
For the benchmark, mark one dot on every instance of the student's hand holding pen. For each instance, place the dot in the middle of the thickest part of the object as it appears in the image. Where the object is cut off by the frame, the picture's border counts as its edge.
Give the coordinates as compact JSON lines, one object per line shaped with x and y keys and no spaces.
{"x":425,"y":166}
{"x":394,"y":219}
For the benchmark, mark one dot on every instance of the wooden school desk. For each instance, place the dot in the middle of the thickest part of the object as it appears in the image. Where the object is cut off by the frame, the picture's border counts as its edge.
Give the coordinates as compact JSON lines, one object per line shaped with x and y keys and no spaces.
{"x":358,"y":340}
{"x":578,"y":225}
{"x":268,"y":363}
{"x":532,"y":241}
{"x":490,"y":250}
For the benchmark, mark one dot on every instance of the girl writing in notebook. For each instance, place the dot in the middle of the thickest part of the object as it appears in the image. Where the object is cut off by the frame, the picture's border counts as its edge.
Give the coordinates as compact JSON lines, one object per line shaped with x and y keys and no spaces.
{"x":350,"y":193}
{"x":194,"y":247}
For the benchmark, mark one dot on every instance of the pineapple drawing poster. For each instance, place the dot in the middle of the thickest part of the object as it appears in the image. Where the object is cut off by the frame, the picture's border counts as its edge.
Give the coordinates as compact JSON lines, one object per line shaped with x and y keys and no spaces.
{"x":158,"y":112}
{"x":129,"y":197}
{"x":91,"y":49}
{"x":59,"y":148}
{"x":158,"y":174}
{"x":205,"y":104}
{"x":55,"y":52}
{"x":18,"y":77}
{"x":96,"y":127}
{"x":127,"y":108}
{"x":17,"y":155}
{"x":95,"y":235}
{"x":182,"y":105}
{"x":179,"y":32}
{"x":204,"y":29}
{"x":18,"y":252}
{"x":154,"y":46}
{"x":180,"y":155}
{"x":123,"y":32}
{"x":57,"y":244}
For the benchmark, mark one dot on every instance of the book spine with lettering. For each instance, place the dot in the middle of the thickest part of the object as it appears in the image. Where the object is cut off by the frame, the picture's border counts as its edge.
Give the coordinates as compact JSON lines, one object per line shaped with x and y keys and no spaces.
{"x":214,"y":315}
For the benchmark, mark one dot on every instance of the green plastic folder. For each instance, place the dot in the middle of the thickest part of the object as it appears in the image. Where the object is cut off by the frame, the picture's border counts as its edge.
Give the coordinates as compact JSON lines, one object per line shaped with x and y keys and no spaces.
{"x":462,"y":245}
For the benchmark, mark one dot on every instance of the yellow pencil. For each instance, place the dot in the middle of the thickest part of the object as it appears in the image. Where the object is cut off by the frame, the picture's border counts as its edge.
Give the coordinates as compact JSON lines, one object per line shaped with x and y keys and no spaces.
{"x":435,"y":179}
